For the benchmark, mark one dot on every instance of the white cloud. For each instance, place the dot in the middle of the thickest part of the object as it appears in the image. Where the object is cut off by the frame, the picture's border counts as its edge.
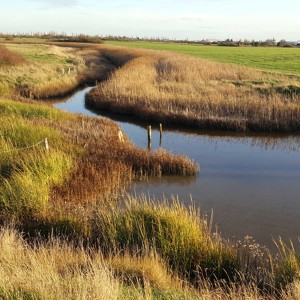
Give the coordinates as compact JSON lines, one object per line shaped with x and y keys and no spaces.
{"x":57,"y":2}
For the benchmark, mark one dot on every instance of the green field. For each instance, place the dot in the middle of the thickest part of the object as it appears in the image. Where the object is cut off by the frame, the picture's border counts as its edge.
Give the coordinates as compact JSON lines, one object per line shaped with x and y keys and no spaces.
{"x":283,"y":60}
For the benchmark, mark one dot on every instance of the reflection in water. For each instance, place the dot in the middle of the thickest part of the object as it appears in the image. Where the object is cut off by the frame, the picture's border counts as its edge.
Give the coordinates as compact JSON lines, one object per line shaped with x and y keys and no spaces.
{"x":269,"y":141}
{"x":184,"y":181}
{"x":250,"y":181}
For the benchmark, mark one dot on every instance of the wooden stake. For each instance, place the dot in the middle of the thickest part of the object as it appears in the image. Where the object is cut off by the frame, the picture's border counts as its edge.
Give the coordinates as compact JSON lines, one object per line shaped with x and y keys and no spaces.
{"x":121,"y":137}
{"x":149,"y":133}
{"x":160,"y":134}
{"x":46,"y":144}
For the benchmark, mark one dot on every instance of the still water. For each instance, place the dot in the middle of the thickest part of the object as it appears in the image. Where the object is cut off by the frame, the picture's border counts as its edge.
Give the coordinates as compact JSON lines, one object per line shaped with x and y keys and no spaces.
{"x":251,"y":182}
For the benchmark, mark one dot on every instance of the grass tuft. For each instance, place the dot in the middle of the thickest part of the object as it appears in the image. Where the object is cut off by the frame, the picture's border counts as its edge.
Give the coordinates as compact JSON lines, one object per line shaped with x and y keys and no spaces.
{"x":177,"y":233}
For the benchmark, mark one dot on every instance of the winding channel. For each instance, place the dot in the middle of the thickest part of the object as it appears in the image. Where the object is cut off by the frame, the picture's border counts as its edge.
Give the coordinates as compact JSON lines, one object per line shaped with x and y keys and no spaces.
{"x":251,"y":182}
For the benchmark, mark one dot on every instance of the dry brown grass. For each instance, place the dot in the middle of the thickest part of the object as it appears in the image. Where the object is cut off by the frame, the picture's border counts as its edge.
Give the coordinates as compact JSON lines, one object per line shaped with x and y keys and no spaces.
{"x":51,"y":271}
{"x":57,"y":270}
{"x":179,"y":89}
{"x":141,"y":269}
{"x":42,"y":76}
{"x":52,"y":70}
{"x":107,"y":165}
{"x":9,"y":58}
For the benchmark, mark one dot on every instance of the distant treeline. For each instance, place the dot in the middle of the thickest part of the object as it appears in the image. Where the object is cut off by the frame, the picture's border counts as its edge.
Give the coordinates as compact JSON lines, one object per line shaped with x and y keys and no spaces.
{"x":55,"y":37}
{"x":84,"y":38}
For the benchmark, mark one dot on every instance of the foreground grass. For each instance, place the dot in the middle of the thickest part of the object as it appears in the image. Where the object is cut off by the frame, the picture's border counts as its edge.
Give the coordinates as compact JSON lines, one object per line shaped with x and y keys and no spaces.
{"x":42,"y":269}
{"x":179,"y":235}
{"x":181,"y":90}
{"x":275,"y":59}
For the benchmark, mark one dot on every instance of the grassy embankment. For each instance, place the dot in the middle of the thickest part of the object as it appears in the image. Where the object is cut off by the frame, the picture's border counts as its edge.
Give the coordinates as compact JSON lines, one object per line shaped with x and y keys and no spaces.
{"x":43,"y":73}
{"x":49,"y":70}
{"x":143,"y":250}
{"x":280,"y":60}
{"x":182,"y":90}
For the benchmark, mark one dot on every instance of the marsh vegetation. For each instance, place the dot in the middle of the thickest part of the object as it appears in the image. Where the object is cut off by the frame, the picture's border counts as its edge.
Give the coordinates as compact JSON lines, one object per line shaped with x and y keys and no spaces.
{"x":69,"y":234}
{"x":182,"y":90}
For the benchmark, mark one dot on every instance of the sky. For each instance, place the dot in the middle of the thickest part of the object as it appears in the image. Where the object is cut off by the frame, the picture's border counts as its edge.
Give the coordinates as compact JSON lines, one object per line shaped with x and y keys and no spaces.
{"x":173,"y":19}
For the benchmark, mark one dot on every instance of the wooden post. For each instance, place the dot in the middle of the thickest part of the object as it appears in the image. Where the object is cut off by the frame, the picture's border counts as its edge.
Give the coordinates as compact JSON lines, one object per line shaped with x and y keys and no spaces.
{"x":160,"y":134}
{"x":121,"y":137}
{"x":69,"y":71}
{"x":46,"y":144}
{"x":149,"y":133}
{"x":149,"y":145}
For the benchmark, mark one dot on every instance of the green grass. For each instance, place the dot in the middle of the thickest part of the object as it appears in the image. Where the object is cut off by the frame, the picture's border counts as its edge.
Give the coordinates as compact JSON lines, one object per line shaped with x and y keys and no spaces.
{"x":27,"y":175}
{"x":39,"y":53}
{"x":18,"y":109}
{"x":282,"y":60}
{"x":177,"y":234}
{"x":48,"y":71}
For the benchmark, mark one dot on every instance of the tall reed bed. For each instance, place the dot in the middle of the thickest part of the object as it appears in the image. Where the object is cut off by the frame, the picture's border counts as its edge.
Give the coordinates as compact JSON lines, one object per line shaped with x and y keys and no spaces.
{"x":178,"y":89}
{"x":107,"y":164}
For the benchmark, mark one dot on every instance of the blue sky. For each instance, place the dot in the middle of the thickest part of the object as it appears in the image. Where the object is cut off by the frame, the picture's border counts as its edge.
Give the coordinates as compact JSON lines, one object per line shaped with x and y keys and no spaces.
{"x":192,"y":19}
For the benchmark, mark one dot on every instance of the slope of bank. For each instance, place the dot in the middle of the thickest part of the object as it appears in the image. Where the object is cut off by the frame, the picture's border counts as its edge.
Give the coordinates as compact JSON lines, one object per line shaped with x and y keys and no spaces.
{"x":181,"y":90}
{"x":271,"y":59}
{"x":52,"y":69}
